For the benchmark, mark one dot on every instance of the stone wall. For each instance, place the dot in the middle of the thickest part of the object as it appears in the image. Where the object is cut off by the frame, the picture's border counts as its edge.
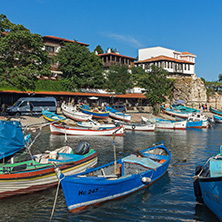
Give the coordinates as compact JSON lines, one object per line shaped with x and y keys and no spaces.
{"x":192,"y":91}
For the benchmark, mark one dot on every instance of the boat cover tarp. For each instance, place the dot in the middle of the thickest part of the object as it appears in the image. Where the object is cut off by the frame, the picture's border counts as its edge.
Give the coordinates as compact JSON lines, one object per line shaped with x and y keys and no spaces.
{"x":111,"y":110}
{"x":11,"y":138}
{"x":143,"y":161}
{"x":215,"y":168}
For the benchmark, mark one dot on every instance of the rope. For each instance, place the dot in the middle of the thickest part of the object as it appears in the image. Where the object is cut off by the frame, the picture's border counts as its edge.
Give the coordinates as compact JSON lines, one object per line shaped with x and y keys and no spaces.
{"x":55,"y":200}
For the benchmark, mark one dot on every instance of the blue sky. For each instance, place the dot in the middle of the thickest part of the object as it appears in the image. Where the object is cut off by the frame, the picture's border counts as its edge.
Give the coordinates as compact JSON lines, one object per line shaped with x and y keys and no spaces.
{"x":128,"y":25}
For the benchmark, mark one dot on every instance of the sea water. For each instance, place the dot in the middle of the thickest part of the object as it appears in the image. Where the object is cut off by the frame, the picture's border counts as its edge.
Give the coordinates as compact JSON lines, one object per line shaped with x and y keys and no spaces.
{"x":169,"y":199}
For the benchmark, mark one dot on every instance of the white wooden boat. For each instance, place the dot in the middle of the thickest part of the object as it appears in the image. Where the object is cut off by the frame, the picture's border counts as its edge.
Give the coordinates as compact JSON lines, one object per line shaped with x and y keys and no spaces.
{"x":170,"y":124}
{"x":118,"y":115}
{"x":137,"y":126}
{"x":95,"y":125}
{"x":72,"y":113}
{"x":174,"y":113}
{"x":79,"y":131}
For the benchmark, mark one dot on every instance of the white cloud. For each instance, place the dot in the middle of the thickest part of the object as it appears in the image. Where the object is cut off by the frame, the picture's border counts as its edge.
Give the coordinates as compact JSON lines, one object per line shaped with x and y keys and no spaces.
{"x":126,"y":39}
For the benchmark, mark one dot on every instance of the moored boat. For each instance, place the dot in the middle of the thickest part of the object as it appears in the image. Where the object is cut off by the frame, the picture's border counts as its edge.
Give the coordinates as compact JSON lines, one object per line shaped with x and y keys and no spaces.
{"x":149,"y":127}
{"x":72,"y":113}
{"x":217,"y":119}
{"x":21,"y":172}
{"x":52,"y":117}
{"x":207,"y":184}
{"x":118,"y":115}
{"x":170,"y":124}
{"x":175,"y":113}
{"x":215,"y":111}
{"x":96,"y":125}
{"x":95,"y":113}
{"x":116,"y":179}
{"x":80,"y":131}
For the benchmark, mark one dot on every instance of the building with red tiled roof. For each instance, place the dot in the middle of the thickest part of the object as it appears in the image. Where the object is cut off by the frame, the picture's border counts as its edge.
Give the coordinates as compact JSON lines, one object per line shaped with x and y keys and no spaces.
{"x":176,"y":63}
{"x":110,"y":59}
{"x":52,"y":45}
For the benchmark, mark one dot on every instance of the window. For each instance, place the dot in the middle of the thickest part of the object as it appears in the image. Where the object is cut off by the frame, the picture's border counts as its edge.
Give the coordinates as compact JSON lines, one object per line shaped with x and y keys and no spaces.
{"x":49,"y":48}
{"x":23,"y":104}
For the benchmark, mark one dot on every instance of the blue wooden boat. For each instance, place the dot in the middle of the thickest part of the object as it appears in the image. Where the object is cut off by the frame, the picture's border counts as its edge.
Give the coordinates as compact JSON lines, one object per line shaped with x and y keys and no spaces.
{"x":52,"y":117}
{"x":95,"y":113}
{"x":118,"y":115}
{"x":116,"y":179}
{"x":208,"y":184}
{"x":217,"y":119}
{"x":215,"y":111}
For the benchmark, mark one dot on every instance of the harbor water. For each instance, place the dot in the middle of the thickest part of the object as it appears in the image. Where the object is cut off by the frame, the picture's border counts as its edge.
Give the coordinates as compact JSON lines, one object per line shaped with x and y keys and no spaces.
{"x":169,"y":199}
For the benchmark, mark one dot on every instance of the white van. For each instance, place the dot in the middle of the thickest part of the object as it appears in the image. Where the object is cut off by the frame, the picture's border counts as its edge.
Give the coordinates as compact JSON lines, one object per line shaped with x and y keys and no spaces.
{"x":23,"y":106}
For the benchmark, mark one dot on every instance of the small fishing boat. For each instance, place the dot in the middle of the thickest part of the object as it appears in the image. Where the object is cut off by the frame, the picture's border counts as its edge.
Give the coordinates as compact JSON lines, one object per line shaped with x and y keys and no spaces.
{"x":72,"y":113}
{"x":175,"y":113}
{"x":215,"y":111}
{"x":21,"y":172}
{"x":116,"y":179}
{"x":217,"y":119}
{"x":170,"y":124}
{"x":96,"y":125}
{"x":118,"y":115}
{"x":199,"y":116}
{"x":80,"y":131}
{"x":95,"y":113}
{"x":149,"y":127}
{"x":207,"y":184}
{"x":52,"y":117}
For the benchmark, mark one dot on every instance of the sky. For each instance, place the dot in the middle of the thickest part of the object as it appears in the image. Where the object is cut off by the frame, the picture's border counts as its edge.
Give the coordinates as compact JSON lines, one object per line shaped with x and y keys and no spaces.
{"x":193,"y":26}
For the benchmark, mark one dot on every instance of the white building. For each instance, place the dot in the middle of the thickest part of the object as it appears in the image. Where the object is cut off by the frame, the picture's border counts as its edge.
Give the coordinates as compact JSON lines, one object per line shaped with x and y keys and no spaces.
{"x":176,"y":63}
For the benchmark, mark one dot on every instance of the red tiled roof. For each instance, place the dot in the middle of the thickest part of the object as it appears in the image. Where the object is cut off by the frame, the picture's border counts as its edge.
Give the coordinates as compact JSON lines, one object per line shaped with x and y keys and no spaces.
{"x":62,"y":39}
{"x":61,"y":93}
{"x":115,"y":54}
{"x":163,"y":58}
{"x":187,"y":53}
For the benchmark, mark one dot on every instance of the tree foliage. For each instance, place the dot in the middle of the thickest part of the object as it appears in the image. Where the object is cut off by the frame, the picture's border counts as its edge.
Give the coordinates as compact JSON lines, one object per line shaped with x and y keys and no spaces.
{"x":119,"y":79}
{"x":99,"y":49}
{"x":156,"y":84}
{"x":81,"y":68}
{"x":21,"y":56}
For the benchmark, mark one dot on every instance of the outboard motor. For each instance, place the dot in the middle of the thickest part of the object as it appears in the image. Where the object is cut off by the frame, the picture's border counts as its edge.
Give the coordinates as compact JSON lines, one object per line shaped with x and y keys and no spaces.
{"x":82,"y":148}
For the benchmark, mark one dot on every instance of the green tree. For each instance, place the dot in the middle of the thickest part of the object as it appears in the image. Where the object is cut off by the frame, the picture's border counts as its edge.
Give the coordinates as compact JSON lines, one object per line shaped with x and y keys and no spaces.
{"x":119,"y":79}
{"x":81,"y":68}
{"x":220,"y":77}
{"x":156,"y":84}
{"x":21,"y":56}
{"x":99,"y":49}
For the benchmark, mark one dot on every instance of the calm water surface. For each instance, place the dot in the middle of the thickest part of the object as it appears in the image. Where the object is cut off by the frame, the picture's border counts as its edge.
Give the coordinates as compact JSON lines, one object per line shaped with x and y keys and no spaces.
{"x":169,"y":199}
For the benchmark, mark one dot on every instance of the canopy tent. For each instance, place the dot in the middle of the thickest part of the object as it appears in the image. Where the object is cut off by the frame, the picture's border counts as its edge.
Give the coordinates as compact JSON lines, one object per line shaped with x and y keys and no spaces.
{"x":93,"y":98}
{"x":11,"y":138}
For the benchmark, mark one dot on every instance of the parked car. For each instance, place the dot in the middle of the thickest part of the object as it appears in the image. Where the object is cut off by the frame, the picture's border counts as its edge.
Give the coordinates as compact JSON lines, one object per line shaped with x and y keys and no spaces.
{"x":32,"y":105}
{"x":120,"y":108}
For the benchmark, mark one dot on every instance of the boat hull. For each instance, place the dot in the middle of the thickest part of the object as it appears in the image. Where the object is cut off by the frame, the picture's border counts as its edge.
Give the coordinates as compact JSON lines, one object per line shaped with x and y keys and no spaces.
{"x":122,"y":117}
{"x":211,"y":190}
{"x":98,"y":115}
{"x":75,"y":115}
{"x":180,"y":125}
{"x":41,"y":178}
{"x":216,"y":111}
{"x":74,"y":131}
